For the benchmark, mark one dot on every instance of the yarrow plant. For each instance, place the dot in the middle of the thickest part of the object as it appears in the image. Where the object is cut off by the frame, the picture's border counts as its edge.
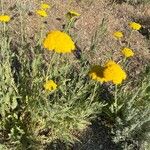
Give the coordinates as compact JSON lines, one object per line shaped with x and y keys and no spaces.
{"x":4,"y":18}
{"x":44,"y":6}
{"x":50,"y":85}
{"x":56,"y":101}
{"x":96,"y":73}
{"x":135,"y":26}
{"x":45,"y":96}
{"x":127,"y":52}
{"x":59,"y":41}
{"x":42,"y":13}
{"x":72,"y":14}
{"x":71,"y":17}
{"x":127,"y":107}
{"x":111,"y":72}
{"x":118,"y":34}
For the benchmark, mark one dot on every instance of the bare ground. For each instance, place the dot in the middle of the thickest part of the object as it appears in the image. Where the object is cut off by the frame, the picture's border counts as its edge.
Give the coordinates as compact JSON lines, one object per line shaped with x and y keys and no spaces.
{"x":115,"y":17}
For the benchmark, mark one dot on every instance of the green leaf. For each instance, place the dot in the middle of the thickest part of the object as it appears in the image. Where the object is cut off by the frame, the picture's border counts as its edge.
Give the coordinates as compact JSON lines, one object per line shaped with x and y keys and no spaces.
{"x":14,"y":103}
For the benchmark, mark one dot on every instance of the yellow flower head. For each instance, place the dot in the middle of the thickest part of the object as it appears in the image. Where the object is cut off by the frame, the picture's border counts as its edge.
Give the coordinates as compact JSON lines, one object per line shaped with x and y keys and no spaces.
{"x":135,"y":26}
{"x":127,"y":52}
{"x":59,"y":41}
{"x":111,"y":72}
{"x":42,"y":13}
{"x":114,"y":73}
{"x":118,"y":34}
{"x":72,"y":14}
{"x":96,"y":73}
{"x":50,"y":85}
{"x":44,"y":6}
{"x":4,"y":18}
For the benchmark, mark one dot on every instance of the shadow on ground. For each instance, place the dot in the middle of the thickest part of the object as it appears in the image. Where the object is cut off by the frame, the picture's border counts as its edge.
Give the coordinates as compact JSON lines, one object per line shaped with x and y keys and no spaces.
{"x":97,"y":137}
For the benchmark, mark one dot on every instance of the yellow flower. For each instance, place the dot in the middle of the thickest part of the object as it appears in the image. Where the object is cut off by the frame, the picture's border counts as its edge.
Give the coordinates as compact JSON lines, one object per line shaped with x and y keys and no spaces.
{"x":44,"y":6}
{"x":50,"y":85}
{"x":72,"y":14}
{"x":42,"y":13}
{"x":114,"y":73}
{"x":135,"y":26}
{"x":4,"y":18}
{"x":96,"y":73}
{"x":59,"y":41}
{"x":111,"y":72}
{"x":127,"y":52}
{"x":118,"y":34}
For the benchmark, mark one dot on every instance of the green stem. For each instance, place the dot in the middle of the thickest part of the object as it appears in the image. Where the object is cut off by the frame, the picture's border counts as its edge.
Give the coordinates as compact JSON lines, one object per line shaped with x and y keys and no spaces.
{"x":50,"y":65}
{"x":69,"y":25}
{"x":5,"y":37}
{"x":128,"y":44}
{"x":124,"y":61}
{"x":94,"y":91}
{"x":116,"y":100}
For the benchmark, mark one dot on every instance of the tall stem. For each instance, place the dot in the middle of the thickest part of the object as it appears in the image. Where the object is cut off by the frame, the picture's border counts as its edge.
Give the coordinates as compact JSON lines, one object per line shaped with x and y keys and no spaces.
{"x":69,"y":24}
{"x":128,"y":44}
{"x":94,"y":91}
{"x":116,"y":100}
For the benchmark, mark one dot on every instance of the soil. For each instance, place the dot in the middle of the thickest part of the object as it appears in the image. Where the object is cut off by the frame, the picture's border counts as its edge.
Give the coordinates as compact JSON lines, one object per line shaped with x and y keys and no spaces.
{"x":114,"y":16}
{"x":96,"y":137}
